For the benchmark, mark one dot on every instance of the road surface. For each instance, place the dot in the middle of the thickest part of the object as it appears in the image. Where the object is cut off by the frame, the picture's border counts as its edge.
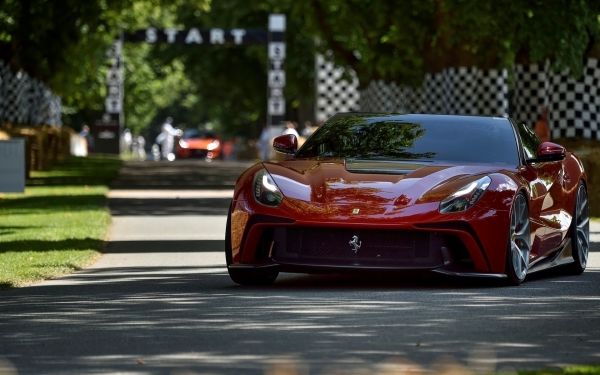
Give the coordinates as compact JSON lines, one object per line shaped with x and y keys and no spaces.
{"x":160,"y":302}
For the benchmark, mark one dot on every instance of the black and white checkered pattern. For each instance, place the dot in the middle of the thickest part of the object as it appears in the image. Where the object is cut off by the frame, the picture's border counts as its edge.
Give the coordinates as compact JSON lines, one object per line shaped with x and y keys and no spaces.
{"x":24,"y":100}
{"x":468,"y":91}
{"x":380,"y":96}
{"x":333,"y":93}
{"x":573,"y":104}
{"x":530,"y":92}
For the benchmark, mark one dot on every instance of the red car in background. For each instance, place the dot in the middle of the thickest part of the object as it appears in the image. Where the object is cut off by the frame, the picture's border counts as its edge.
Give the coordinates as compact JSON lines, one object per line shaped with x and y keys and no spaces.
{"x":196,"y":143}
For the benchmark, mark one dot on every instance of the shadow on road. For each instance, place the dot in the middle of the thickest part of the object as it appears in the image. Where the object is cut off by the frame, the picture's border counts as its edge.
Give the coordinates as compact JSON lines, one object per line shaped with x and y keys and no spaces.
{"x":117,"y":318}
{"x":154,"y":246}
{"x":47,"y":245}
{"x":181,"y":174}
{"x":160,"y":207}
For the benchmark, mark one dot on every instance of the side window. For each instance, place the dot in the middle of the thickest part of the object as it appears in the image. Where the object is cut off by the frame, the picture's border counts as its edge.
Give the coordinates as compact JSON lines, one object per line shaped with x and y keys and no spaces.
{"x":529,"y":140}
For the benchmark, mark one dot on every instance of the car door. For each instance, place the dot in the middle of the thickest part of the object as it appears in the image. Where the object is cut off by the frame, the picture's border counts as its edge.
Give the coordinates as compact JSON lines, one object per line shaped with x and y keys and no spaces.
{"x":549,"y":222}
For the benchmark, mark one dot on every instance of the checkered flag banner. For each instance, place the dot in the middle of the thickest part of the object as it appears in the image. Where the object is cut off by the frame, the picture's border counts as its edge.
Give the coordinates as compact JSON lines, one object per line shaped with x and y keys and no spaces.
{"x":573,"y":104}
{"x":467,"y":91}
{"x":530,"y":91}
{"x":26,"y":101}
{"x":334,"y":93}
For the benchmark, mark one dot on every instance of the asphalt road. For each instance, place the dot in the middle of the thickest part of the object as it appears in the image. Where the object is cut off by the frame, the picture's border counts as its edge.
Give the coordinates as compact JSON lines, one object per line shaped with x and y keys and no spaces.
{"x":160,"y":302}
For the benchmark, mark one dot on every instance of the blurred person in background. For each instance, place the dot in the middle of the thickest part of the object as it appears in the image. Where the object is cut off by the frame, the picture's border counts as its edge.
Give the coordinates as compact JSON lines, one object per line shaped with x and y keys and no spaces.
{"x":541,"y":128}
{"x":265,"y":142}
{"x":126,"y":141}
{"x":290,"y":128}
{"x":166,"y":140}
{"x":227,"y":149}
{"x":238,"y":145}
{"x":87,"y":135}
{"x":138,"y":147}
{"x":309,"y":128}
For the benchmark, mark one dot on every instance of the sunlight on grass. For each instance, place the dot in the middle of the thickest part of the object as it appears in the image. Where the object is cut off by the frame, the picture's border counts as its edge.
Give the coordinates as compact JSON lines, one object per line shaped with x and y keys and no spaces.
{"x":571,"y":370}
{"x":58,"y":225}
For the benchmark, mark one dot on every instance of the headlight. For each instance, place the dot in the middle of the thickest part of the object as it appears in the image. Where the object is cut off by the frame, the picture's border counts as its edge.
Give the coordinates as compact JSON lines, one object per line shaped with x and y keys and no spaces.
{"x":212,"y":145}
{"x":183,"y":144}
{"x":265,"y":190}
{"x":465,"y":197}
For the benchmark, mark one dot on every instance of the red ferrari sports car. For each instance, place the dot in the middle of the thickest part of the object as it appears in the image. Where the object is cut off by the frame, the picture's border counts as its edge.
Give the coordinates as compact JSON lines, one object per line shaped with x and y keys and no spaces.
{"x":458,"y":195}
{"x":196,"y":143}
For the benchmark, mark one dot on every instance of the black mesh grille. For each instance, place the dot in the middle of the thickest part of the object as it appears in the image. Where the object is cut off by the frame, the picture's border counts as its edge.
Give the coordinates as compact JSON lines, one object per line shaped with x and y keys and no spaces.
{"x":377,"y":247}
{"x":196,"y":153}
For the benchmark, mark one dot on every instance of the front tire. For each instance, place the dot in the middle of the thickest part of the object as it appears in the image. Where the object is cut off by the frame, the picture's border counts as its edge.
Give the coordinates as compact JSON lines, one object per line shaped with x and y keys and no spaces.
{"x":580,"y":232}
{"x":519,"y":242}
{"x":253,"y":276}
{"x":245,"y":276}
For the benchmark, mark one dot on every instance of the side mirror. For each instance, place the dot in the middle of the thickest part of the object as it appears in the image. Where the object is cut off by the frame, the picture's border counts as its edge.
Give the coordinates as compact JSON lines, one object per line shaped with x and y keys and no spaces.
{"x":287,"y":143}
{"x":549,"y":151}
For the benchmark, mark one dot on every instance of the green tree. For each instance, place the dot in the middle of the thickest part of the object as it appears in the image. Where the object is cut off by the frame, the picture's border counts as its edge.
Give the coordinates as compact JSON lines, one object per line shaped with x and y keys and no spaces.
{"x":402,"y":41}
{"x":62,"y":43}
{"x":230,"y":81}
{"x":223,"y":85}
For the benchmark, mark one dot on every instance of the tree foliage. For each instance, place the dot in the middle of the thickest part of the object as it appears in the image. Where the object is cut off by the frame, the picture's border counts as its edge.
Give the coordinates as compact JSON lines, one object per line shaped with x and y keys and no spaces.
{"x":229,"y":82}
{"x":402,"y":41}
{"x":63,"y":43}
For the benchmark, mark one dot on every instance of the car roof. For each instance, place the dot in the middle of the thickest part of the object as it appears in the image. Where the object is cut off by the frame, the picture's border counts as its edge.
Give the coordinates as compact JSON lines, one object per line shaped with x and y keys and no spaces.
{"x":421,"y":117}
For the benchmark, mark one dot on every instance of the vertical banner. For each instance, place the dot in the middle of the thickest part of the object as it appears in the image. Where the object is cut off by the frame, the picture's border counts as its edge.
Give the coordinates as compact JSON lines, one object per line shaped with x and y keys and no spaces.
{"x":276,"y":73}
{"x":107,"y":131}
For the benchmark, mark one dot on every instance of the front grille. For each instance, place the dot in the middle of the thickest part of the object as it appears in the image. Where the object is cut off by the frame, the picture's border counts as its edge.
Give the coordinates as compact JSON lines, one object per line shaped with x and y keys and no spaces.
{"x":196,"y":153}
{"x":381,"y":248}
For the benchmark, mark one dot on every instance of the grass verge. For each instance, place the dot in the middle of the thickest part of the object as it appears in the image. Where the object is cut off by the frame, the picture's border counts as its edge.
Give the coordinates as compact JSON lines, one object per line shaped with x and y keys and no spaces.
{"x":571,"y":370}
{"x":58,"y":225}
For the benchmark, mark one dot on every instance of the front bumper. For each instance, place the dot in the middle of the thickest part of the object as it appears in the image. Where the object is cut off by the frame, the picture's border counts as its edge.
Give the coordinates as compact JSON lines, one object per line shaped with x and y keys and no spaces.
{"x":448,"y":244}
{"x":197,"y":153}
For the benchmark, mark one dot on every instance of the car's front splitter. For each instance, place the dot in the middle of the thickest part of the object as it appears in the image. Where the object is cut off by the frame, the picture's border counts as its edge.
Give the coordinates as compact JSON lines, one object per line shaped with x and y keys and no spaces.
{"x":320,"y":269}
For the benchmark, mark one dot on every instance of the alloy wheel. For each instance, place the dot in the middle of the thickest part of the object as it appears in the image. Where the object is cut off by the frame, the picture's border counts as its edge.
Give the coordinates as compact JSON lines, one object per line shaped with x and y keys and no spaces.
{"x":582,"y":226}
{"x":520,"y":238}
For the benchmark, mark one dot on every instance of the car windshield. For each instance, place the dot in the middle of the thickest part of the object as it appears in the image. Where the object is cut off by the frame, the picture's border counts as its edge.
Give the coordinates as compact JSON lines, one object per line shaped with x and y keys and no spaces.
{"x":454,"y":139}
{"x":195,"y":133}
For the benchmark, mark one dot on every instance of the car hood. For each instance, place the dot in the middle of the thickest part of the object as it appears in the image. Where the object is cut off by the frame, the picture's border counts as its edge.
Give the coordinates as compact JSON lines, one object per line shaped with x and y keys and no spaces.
{"x":371,"y":185}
